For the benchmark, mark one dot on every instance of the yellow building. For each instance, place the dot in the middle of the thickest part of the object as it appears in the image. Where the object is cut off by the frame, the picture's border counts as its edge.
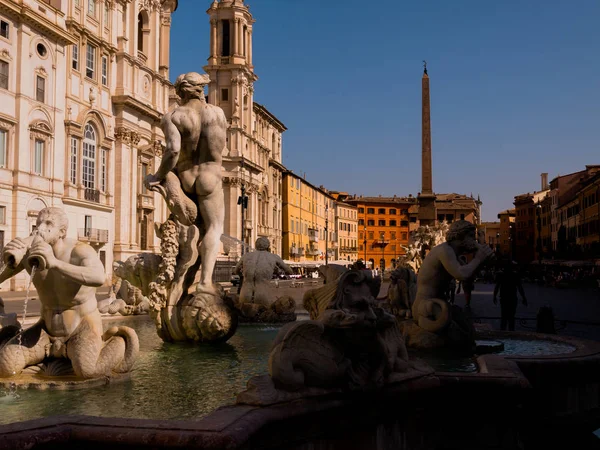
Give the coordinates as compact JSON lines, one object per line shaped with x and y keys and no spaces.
{"x":308,"y":211}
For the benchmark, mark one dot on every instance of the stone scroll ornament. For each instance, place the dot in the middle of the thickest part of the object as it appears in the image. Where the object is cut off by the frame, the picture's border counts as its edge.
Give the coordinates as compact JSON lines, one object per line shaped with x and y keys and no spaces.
{"x":352,"y":345}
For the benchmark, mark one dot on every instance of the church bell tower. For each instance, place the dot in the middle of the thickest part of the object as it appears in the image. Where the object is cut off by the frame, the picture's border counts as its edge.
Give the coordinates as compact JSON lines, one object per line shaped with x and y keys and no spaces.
{"x":230,"y":67}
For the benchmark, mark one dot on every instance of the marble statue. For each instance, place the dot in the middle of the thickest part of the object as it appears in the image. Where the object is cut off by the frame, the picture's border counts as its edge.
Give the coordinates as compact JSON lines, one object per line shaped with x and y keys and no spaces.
{"x":352,"y":345}
{"x":256,"y":303}
{"x":422,"y":239}
{"x":65,"y":274}
{"x":436,"y":323}
{"x":131,"y":285}
{"x":402,"y":292}
{"x":189,"y":178}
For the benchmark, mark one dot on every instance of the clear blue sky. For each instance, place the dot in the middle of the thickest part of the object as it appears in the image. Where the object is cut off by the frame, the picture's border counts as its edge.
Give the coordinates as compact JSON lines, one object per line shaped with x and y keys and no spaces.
{"x":515,"y":89}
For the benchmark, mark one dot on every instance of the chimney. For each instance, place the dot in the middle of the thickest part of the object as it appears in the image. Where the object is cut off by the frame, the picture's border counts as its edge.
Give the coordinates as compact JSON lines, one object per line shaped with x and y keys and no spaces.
{"x":545,"y":181}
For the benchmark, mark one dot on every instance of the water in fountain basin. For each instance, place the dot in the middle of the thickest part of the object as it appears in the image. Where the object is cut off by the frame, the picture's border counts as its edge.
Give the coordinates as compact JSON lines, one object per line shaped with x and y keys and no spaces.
{"x":169,"y":381}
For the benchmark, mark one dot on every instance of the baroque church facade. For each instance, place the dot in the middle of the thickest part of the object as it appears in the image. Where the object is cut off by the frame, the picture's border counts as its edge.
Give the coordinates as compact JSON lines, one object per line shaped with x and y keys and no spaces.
{"x":83,"y":86}
{"x":252,"y":161}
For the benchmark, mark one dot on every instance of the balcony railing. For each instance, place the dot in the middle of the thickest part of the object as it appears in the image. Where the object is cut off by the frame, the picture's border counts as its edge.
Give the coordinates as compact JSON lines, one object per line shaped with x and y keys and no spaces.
{"x":92,"y":235}
{"x":313,"y":235}
{"x":313,"y":252}
{"x":92,"y":195}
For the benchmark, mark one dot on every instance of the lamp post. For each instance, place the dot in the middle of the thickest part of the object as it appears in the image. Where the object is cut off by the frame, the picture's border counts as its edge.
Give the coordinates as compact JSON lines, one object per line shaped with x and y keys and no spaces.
{"x":326,"y":232}
{"x":382,"y":262}
{"x":539,"y":230}
{"x":243,"y":201}
{"x":365,"y":244}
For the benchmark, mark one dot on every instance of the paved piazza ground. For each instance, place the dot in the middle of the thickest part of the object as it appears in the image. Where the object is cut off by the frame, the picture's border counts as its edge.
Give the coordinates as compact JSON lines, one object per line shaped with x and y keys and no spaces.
{"x":573,"y":305}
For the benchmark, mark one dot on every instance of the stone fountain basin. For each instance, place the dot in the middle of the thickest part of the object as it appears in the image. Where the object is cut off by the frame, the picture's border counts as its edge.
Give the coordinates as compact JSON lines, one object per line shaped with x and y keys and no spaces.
{"x":558,"y":384}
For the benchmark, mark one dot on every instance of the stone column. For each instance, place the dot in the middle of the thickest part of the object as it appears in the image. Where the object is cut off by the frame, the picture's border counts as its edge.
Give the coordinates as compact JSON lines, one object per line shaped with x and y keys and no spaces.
{"x":233,"y":36}
{"x":250,"y":46}
{"x":165,"y":38}
{"x":240,"y":36}
{"x":213,"y":40}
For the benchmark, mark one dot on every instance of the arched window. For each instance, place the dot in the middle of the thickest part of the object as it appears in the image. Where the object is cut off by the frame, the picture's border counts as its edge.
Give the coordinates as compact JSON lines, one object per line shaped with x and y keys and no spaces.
{"x":89,"y":157}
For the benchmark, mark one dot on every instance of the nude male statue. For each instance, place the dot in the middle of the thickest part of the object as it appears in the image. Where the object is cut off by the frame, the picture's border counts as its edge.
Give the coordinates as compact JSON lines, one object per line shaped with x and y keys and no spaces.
{"x":195,"y":134}
{"x":70,"y":325}
{"x":430,"y":310}
{"x":257,"y":269}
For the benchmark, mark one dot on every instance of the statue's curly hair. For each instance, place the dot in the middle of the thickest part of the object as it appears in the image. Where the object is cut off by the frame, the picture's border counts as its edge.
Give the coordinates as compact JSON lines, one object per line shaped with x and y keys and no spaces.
{"x":458,"y":230}
{"x":262,"y":243}
{"x":354,"y":277}
{"x":191,"y":84}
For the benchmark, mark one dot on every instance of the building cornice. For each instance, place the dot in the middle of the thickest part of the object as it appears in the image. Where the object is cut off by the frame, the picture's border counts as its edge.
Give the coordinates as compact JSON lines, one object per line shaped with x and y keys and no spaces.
{"x":75,"y":26}
{"x":269,"y":117}
{"x":28,"y":15}
{"x":277,"y":165}
{"x":133,"y":103}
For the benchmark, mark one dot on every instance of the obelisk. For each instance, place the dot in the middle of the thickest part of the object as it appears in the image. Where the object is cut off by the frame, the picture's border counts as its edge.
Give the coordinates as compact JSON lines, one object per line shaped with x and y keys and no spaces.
{"x":427,"y":213}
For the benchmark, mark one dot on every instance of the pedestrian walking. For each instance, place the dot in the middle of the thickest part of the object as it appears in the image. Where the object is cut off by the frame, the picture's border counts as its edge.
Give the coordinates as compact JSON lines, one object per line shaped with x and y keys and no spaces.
{"x":508,"y":282}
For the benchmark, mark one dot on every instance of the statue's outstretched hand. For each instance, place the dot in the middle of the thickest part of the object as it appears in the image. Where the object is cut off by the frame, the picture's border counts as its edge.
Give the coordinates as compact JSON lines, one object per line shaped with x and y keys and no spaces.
{"x":151,"y":181}
{"x":484,"y":252}
{"x":39,"y":247}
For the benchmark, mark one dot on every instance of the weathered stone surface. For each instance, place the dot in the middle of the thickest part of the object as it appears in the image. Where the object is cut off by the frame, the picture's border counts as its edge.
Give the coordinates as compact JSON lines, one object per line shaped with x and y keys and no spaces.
{"x":65,"y":274}
{"x":352,"y":345}
{"x":430,"y":311}
{"x":185,"y":309}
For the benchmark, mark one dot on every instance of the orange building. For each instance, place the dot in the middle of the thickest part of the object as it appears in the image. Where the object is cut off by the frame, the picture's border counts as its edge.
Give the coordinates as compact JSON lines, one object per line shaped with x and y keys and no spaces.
{"x":383,"y":228}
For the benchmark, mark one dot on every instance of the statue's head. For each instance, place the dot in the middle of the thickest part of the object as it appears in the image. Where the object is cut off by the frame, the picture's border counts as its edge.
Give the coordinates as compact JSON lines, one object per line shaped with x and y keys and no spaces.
{"x":52,"y":224}
{"x":191,"y":85}
{"x":463,"y":233}
{"x":262,"y":244}
{"x":355,"y":295}
{"x":119,"y":268}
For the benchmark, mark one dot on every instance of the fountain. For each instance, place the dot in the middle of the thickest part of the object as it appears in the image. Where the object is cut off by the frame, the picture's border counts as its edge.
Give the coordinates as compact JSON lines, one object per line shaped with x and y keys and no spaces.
{"x":343,"y":379}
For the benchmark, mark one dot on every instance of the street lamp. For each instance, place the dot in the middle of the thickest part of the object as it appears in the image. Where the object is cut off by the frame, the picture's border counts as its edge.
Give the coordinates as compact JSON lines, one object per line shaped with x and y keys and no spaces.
{"x":326,"y":232}
{"x":243,"y":201}
{"x":539,"y":230}
{"x":382,"y":262}
{"x":365,"y":244}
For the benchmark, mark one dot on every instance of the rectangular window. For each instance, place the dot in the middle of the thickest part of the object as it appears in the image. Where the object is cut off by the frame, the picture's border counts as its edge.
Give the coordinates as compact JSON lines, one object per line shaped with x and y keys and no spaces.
{"x":75,"y":60}
{"x":104,"y":71}
{"x":3,"y":150}
{"x":73,"y":171}
{"x":371,"y":223}
{"x":103,"y":171}
{"x":106,"y":13}
{"x":38,"y":157}
{"x":361,"y":210}
{"x":370,"y":210}
{"x":40,"y":89}
{"x":144,"y":175}
{"x":381,"y":223}
{"x":381,"y":211}
{"x":92,"y":8}
{"x":89,"y":165}
{"x":2,"y":219}
{"x":3,"y":75}
{"x":90,"y":61}
{"x":224,"y":95}
{"x":87,"y":224}
{"x":4,"y":29}
{"x":77,"y":3}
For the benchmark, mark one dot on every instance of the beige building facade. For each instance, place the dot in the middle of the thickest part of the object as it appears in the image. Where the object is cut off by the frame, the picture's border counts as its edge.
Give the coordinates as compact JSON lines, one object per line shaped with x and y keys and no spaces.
{"x":83,"y":85}
{"x":309,"y":221}
{"x":252,"y":159}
